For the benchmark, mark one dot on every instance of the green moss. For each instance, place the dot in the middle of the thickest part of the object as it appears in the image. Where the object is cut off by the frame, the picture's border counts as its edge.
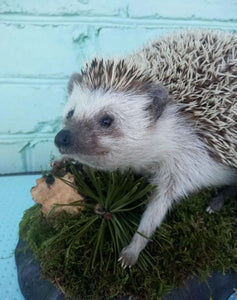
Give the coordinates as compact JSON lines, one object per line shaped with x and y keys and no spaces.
{"x":190,"y":241}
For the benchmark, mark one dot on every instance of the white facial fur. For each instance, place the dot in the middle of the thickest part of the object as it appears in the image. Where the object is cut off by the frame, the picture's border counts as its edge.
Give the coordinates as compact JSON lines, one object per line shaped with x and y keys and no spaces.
{"x":132,"y":141}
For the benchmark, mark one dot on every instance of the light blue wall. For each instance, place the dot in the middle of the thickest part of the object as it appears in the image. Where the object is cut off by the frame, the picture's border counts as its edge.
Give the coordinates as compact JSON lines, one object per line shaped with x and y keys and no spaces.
{"x":43,"y":42}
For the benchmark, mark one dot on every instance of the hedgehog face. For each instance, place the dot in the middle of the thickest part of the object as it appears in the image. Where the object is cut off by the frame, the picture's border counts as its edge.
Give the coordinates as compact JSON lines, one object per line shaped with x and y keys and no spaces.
{"x":107,"y":130}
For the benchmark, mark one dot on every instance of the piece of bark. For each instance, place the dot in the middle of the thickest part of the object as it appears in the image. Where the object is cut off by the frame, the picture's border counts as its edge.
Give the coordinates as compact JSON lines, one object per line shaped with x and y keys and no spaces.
{"x":56,"y":192}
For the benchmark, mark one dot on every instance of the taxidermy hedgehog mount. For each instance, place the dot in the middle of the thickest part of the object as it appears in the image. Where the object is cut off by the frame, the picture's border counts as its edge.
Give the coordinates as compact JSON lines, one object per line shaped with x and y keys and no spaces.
{"x":168,"y":111}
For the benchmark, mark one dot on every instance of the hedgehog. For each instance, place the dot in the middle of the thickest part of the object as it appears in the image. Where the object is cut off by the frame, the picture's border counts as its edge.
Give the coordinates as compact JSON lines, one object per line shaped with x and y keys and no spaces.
{"x":168,"y":111}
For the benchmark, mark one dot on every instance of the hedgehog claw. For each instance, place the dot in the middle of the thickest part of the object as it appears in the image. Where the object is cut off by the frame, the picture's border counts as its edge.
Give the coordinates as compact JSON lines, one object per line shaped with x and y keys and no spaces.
{"x":210,"y":210}
{"x":128,"y":257}
{"x":219,"y":200}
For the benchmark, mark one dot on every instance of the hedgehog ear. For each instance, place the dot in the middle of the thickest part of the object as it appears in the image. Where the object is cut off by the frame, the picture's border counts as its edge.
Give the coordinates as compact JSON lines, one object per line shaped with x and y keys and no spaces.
{"x":74,"y":79}
{"x":158,"y":99}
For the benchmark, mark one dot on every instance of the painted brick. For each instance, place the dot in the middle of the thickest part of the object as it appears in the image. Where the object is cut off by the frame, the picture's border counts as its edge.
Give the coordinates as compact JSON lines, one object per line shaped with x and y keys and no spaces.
{"x":31,"y":107}
{"x":11,"y":159}
{"x":43,"y":42}
{"x":204,"y":9}
{"x":210,"y":9}
{"x":39,"y":150}
{"x":37,"y":50}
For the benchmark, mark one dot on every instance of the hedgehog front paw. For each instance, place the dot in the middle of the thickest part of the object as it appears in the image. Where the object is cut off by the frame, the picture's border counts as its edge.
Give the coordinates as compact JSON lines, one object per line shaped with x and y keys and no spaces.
{"x":216,"y":204}
{"x":128,"y":257}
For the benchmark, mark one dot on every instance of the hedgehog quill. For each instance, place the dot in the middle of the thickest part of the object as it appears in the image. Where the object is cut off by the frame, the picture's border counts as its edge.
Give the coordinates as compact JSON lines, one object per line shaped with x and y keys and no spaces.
{"x":168,"y":111}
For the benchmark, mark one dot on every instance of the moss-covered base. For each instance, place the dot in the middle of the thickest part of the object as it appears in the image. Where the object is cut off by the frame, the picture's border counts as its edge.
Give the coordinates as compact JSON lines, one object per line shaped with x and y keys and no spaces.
{"x":190,"y":241}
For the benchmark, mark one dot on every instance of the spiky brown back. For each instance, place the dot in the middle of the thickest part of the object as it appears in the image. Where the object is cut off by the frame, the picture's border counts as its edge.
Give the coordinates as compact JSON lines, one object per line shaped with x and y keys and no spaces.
{"x":199,"y":68}
{"x":115,"y":75}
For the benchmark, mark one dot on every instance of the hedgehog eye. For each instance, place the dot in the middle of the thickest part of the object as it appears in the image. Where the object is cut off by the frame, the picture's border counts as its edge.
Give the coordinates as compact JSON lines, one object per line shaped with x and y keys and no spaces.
{"x":70,"y":114}
{"x":106,"y":121}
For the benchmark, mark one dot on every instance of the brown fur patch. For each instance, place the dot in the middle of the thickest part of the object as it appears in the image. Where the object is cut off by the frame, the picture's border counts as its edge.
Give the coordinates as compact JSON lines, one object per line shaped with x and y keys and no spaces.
{"x":86,"y":134}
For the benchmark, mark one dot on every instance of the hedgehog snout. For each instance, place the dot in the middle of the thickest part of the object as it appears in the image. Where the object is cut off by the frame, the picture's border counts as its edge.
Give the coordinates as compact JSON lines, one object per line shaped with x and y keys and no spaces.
{"x":64,"y":139}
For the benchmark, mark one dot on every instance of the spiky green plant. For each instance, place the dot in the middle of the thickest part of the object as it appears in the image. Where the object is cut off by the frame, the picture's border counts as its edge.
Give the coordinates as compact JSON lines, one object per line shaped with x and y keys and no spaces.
{"x":113,"y":204}
{"x":112,"y":210}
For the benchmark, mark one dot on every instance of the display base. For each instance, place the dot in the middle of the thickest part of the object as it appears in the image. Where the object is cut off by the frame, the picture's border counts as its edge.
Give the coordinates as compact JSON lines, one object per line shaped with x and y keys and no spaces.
{"x":33,"y":287}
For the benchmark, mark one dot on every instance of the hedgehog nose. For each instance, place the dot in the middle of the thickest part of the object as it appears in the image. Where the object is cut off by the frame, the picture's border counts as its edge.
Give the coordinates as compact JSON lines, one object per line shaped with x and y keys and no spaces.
{"x":63,"y":138}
